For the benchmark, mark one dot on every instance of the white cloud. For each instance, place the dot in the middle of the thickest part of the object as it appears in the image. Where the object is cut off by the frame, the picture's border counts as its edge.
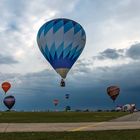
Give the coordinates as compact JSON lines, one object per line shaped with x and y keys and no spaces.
{"x":107,"y":24}
{"x":21,"y":21}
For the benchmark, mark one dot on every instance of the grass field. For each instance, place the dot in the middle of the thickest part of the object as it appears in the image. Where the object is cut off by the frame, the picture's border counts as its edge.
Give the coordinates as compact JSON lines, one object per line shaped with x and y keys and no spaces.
{"x":97,"y":135}
{"x":40,"y":117}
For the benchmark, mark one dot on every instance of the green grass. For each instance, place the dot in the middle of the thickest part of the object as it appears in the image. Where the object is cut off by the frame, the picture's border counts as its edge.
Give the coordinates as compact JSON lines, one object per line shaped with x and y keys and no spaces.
{"x":96,"y":135}
{"x":44,"y":117}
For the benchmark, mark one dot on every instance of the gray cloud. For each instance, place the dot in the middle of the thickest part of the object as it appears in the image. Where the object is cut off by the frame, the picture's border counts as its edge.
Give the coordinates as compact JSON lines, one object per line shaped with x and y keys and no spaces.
{"x":82,"y":66}
{"x":87,"y":90}
{"x":134,"y":51}
{"x":7,"y":60}
{"x":109,"y":54}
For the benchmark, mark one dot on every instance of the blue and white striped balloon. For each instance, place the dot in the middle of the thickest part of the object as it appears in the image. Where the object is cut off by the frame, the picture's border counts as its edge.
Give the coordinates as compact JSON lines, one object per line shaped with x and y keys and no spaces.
{"x":61,"y":41}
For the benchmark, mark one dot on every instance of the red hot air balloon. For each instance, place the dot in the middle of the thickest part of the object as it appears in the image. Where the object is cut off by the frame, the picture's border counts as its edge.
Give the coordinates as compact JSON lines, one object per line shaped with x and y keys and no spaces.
{"x":6,"y":86}
{"x":113,"y":92}
{"x":55,"y":101}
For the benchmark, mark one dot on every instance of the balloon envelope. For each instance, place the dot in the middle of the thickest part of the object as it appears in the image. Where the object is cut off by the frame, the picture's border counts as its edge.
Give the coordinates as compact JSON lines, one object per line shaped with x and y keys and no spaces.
{"x":68,"y":108}
{"x":55,"y":101}
{"x":67,"y":96}
{"x":61,"y":41}
{"x":9,"y":101}
{"x":6,"y":86}
{"x":113,"y":92}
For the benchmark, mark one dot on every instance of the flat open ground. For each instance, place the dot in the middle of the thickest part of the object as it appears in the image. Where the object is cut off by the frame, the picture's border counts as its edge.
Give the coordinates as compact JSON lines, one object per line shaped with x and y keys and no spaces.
{"x":69,"y":127}
{"x":57,"y":117}
{"x":55,"y":121}
{"x":62,"y":126}
{"x":97,"y":135}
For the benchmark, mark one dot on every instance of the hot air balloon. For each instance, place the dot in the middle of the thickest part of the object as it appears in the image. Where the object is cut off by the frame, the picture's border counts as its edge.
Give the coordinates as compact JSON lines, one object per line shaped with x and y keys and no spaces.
{"x":113,"y":92}
{"x":67,"y":96}
{"x":6,"y":86}
{"x":61,"y":41}
{"x":68,"y":108}
{"x":9,"y":101}
{"x":55,"y":101}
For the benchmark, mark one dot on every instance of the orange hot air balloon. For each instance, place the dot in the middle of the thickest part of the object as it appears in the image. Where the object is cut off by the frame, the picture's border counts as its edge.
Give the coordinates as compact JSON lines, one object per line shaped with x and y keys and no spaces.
{"x":6,"y":86}
{"x":113,"y":92}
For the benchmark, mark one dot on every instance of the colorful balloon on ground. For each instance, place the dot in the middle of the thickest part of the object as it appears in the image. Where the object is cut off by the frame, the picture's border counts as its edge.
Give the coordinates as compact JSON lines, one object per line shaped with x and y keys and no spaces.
{"x":113,"y":92}
{"x":6,"y":86}
{"x":9,"y":101}
{"x":55,"y":101}
{"x":61,"y":41}
{"x":67,"y":96}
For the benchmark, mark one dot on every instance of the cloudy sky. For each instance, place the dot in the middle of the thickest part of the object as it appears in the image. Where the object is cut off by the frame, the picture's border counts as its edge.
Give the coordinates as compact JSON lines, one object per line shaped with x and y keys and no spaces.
{"x":111,"y":55}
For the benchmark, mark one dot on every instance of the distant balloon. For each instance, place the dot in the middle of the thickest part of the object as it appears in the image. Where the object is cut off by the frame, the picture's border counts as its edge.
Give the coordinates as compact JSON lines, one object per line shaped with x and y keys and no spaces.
{"x":9,"y":101}
{"x":68,"y":108}
{"x":113,"y":92}
{"x":55,"y":101}
{"x":61,"y":41}
{"x":67,"y":96}
{"x":6,"y":86}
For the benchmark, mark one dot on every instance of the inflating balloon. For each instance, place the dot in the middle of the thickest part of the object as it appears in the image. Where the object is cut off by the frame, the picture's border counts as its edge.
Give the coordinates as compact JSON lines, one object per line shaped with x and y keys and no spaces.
{"x":61,"y":41}
{"x":55,"y":101}
{"x":113,"y":92}
{"x":9,"y":101}
{"x":6,"y":86}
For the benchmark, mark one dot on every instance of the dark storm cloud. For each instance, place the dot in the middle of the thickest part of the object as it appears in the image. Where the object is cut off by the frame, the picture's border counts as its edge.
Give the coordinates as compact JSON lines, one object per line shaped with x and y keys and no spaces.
{"x":134,"y":51}
{"x":7,"y":60}
{"x":86,"y":89}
